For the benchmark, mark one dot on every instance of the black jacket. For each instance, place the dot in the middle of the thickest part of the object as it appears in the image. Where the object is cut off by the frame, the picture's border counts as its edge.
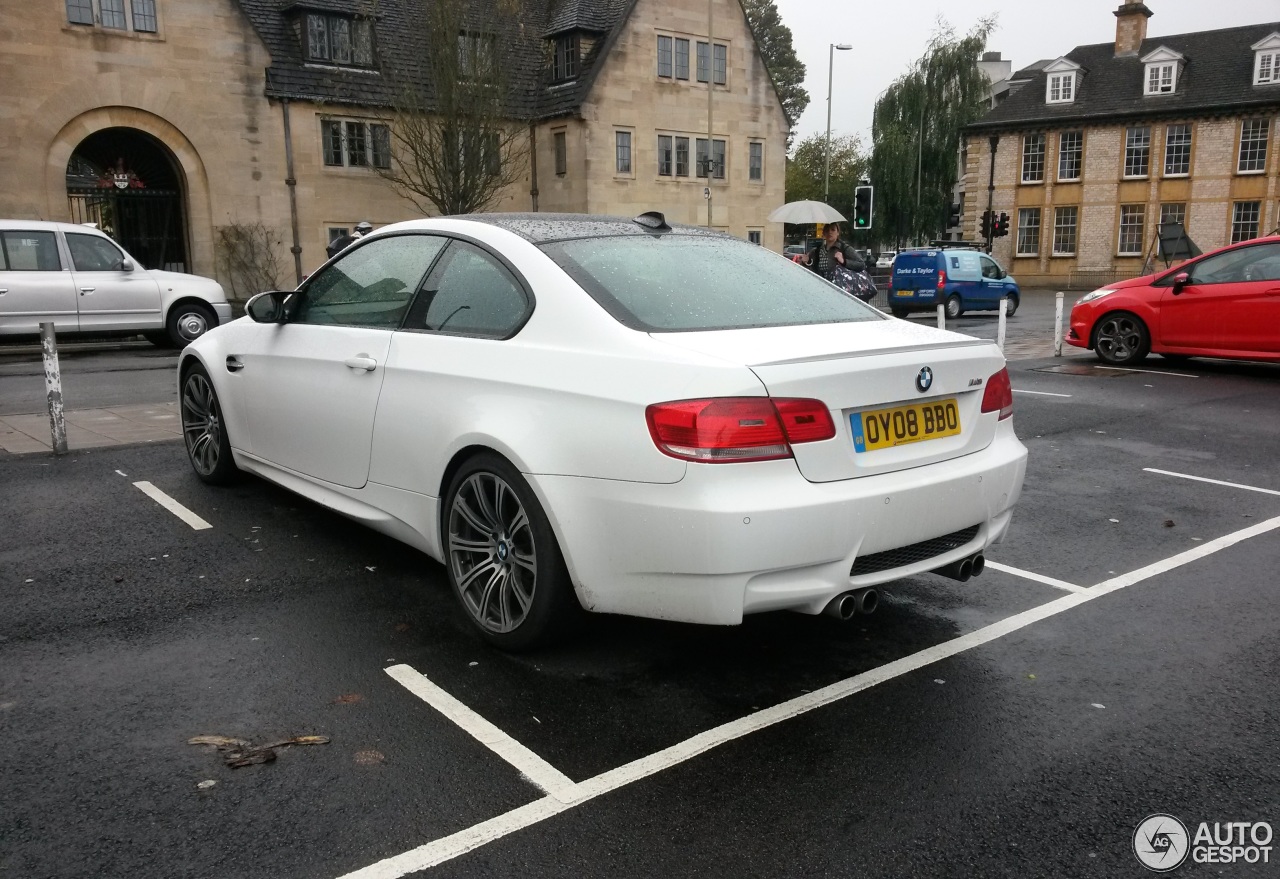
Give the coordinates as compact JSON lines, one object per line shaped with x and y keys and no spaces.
{"x":821,"y":259}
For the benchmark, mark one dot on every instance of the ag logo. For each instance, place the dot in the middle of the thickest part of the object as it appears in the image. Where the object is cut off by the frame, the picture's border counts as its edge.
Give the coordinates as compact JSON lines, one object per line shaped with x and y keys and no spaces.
{"x":1161,"y":843}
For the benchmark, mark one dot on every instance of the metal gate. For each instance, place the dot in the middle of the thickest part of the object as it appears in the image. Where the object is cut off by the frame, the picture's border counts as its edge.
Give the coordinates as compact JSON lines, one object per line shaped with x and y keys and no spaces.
{"x":147,"y":223}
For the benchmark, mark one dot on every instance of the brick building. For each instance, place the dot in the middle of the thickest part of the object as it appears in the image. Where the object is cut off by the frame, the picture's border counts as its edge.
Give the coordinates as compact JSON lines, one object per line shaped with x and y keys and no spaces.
{"x":1096,"y":149}
{"x":170,"y":120}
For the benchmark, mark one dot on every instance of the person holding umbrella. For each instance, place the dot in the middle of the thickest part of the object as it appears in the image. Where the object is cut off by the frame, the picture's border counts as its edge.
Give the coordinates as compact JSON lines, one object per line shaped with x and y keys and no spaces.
{"x":833,"y":252}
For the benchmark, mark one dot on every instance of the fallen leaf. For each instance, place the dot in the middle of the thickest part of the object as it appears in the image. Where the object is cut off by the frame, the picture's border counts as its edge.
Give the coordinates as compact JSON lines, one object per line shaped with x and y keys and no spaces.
{"x":205,"y":785}
{"x":237,"y":760}
{"x":369,"y":758}
{"x":222,"y":743}
{"x":1168,"y":523}
{"x":299,"y":740}
{"x":348,"y":699}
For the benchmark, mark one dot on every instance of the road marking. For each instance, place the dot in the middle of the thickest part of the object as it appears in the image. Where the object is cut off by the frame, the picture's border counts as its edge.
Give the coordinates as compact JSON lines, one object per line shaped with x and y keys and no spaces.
{"x":1151,"y":371}
{"x":1039,"y":578}
{"x":446,"y":848}
{"x":172,"y":506}
{"x":531,"y":766}
{"x":1039,"y":393}
{"x":1211,"y":481}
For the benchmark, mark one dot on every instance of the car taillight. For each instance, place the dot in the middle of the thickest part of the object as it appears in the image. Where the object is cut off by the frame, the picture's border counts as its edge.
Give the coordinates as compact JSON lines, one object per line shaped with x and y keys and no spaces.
{"x":998,"y":397}
{"x":942,"y":279}
{"x":724,"y":430}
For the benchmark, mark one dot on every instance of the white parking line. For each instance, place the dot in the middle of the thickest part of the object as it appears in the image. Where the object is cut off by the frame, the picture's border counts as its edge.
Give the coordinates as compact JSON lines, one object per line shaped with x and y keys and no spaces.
{"x":1152,"y":371}
{"x":449,"y":847}
{"x":1039,"y":578}
{"x":531,"y":766}
{"x":1039,"y":393}
{"x":172,"y":506}
{"x":1211,"y":481}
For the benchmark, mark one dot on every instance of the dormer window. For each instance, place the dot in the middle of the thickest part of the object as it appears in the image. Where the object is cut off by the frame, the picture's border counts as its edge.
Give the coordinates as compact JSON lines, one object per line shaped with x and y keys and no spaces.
{"x":339,"y":39}
{"x":1162,"y":69}
{"x":1062,"y":82}
{"x":1266,"y":63}
{"x":565,"y":59}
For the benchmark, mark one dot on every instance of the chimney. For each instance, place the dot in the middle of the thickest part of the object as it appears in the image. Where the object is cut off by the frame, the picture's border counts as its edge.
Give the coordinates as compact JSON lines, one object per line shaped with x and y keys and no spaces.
{"x":1131,"y":27}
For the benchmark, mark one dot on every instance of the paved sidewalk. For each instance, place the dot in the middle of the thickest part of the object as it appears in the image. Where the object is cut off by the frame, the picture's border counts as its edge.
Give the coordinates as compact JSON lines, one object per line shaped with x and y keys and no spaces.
{"x":89,"y":428}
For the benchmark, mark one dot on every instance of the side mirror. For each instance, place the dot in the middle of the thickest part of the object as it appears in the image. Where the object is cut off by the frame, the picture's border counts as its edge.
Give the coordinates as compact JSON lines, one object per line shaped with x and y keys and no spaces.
{"x":126,"y":265}
{"x":1180,"y":280}
{"x":269,"y":307}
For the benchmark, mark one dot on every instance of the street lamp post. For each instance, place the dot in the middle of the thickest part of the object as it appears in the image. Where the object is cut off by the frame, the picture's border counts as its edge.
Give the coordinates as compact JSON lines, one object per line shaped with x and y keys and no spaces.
{"x":826,"y":165}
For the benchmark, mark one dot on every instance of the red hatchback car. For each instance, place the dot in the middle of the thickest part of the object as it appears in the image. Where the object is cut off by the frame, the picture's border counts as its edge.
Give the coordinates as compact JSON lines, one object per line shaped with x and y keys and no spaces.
{"x":1222,"y":304}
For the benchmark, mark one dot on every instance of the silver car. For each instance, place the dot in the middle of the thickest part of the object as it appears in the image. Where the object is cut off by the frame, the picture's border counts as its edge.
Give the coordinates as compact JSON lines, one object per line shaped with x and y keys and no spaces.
{"x":83,"y":282}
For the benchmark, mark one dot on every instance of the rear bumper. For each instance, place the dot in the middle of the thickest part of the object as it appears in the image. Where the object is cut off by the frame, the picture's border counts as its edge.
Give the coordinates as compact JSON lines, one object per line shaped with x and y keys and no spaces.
{"x":729,"y":540}
{"x":223,"y":311}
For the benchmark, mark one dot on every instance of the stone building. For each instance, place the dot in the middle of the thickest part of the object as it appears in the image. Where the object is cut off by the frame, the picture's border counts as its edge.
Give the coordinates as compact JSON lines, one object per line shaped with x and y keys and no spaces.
{"x":170,"y":122}
{"x":1095,"y":150}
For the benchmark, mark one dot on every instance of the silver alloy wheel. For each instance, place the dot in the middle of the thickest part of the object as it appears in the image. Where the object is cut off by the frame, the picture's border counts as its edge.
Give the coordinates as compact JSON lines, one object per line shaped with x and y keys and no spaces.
{"x":201,"y":427}
{"x":953,"y":306}
{"x":192,"y":325}
{"x":491,"y":552}
{"x":1119,"y":338}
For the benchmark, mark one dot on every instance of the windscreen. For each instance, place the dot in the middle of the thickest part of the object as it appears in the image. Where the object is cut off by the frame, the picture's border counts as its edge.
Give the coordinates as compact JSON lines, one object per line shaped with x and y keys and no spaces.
{"x":677,"y":283}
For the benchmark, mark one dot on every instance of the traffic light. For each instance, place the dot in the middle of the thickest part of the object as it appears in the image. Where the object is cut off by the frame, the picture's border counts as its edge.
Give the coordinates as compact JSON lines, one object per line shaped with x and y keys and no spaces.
{"x":953,"y":216}
{"x":1002,"y":225}
{"x":986,"y":226}
{"x":863,"y":199}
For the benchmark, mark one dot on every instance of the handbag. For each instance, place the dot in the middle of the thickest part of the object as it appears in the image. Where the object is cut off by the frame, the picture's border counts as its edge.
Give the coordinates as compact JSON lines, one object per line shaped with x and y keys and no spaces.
{"x":857,"y":284}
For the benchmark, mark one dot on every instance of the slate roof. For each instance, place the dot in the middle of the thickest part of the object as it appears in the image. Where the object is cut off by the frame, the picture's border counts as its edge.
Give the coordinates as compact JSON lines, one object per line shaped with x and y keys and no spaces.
{"x":533,"y":95}
{"x":1216,"y":79}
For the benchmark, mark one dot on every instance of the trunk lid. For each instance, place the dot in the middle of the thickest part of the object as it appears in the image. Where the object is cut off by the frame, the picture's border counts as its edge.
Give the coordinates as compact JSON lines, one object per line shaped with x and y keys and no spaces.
{"x":859,"y":368}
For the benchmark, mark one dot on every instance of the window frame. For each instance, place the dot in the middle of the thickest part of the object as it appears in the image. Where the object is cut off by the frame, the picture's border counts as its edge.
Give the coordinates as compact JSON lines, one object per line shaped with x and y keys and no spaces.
{"x":719,"y":63}
{"x":6,"y":264}
{"x":565,"y":57}
{"x":1059,"y":213}
{"x":666,"y":155}
{"x":372,"y":141}
{"x":703,"y":152}
{"x":431,"y":282}
{"x":1155,"y":80}
{"x":1134,"y":150}
{"x":670,"y":60}
{"x":702,"y":66}
{"x":1064,"y":84}
{"x":1028,"y":232}
{"x":1258,"y":146}
{"x":1131,"y":210}
{"x":755,"y":161}
{"x":1079,"y":155}
{"x":1272,"y":56}
{"x":560,"y":151}
{"x":89,"y":13}
{"x":619,"y":135}
{"x":1030,"y":175}
{"x":1237,"y":224}
{"x":682,"y":145}
{"x":681,"y":58}
{"x":1168,"y":141}
{"x":359,"y":30}
{"x":1166,"y":209}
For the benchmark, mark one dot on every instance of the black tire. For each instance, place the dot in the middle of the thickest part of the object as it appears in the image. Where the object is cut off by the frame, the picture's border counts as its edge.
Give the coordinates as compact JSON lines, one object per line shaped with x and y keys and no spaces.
{"x":1121,"y":338}
{"x":203,"y":429}
{"x":954,"y":307}
{"x":189,"y":321}
{"x":1012,"y":299}
{"x":159,"y":338}
{"x":899,"y":312}
{"x":498,"y":544}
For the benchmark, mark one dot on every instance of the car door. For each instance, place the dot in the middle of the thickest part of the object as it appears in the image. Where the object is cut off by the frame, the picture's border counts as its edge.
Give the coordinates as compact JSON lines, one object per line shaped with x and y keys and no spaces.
{"x":35,"y":286}
{"x":991,"y":286}
{"x":311,"y":384}
{"x":1230,"y":304}
{"x":110,"y":296}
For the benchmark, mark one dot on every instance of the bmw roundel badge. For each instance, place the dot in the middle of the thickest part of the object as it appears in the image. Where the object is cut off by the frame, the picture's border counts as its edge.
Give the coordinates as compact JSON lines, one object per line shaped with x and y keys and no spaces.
{"x":924,"y":380}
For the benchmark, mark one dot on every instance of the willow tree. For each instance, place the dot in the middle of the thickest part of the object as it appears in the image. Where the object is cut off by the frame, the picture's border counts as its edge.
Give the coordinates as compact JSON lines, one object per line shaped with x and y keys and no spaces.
{"x":916,"y":133}
{"x":455,"y":143}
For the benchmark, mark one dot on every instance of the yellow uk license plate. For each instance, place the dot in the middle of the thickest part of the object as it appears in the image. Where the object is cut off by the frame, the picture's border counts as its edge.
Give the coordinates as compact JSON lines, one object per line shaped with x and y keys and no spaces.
{"x":885,"y":428}
{"x":904,"y":292}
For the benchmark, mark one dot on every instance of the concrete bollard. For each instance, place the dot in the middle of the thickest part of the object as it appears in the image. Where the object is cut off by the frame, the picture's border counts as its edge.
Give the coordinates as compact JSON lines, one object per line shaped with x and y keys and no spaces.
{"x":1057,"y":327}
{"x":53,"y":388}
{"x":942,"y":316}
{"x":1004,"y":307}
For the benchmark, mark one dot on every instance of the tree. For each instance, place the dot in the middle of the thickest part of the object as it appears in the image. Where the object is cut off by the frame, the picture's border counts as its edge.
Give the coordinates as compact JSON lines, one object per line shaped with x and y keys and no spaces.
{"x":917,"y":129}
{"x":774,"y":39}
{"x":456,"y":145}
{"x":849,"y":165}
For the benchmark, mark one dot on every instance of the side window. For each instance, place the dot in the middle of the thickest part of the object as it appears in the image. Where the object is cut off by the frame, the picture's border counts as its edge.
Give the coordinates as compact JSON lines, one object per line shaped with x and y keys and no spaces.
{"x":990,"y":269}
{"x":1258,"y":263}
{"x":93,"y":253}
{"x":371,"y":285}
{"x":29,"y":252}
{"x":471,"y":293}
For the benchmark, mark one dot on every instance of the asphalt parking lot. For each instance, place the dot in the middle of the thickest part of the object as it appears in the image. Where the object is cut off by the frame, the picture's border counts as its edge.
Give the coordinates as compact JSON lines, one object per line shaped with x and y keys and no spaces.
{"x":1118,"y":658}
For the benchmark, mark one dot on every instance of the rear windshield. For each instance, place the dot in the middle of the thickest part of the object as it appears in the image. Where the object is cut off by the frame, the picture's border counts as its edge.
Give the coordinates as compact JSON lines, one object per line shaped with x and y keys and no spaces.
{"x":677,"y":283}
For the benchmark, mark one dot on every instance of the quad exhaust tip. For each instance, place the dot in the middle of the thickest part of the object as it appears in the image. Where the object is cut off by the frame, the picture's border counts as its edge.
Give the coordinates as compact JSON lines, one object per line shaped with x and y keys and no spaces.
{"x":963,"y":569}
{"x":849,"y":604}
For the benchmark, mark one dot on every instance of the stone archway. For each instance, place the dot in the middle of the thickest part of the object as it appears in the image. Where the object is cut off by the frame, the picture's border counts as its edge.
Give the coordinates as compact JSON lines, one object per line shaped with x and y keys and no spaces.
{"x":185,"y":165}
{"x":128,"y":183}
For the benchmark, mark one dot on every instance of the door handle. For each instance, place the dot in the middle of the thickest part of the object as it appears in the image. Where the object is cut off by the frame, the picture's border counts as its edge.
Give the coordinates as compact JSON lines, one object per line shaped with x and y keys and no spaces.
{"x":84,"y":290}
{"x":3,"y":290}
{"x":363,"y":361}
{"x":234,"y":364}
